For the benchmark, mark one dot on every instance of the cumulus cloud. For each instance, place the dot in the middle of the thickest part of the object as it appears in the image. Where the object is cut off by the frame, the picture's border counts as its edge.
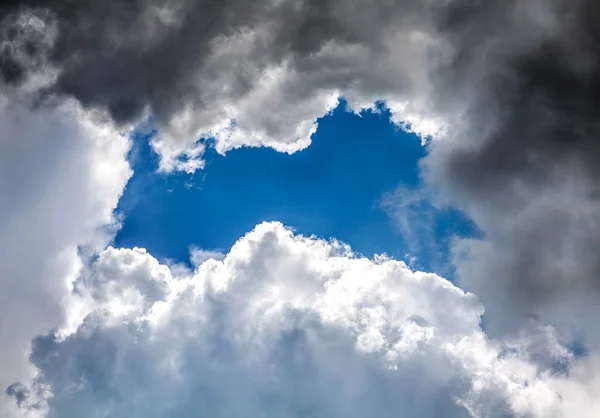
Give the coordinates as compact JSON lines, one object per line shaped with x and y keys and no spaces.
{"x":61,"y":174}
{"x":287,"y":325}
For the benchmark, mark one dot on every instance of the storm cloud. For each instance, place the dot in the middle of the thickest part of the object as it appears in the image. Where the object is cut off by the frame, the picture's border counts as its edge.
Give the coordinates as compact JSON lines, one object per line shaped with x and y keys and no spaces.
{"x":524,"y":165}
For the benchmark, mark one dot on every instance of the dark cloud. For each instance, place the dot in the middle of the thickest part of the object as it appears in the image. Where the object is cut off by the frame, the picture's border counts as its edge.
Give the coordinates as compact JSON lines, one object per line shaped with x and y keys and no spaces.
{"x":198,"y":66}
{"x":525,"y":162}
{"x":127,"y":55}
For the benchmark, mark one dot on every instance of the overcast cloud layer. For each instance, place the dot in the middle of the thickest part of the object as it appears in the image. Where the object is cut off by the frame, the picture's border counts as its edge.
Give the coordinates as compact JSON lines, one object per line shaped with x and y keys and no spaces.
{"x":509,"y":89}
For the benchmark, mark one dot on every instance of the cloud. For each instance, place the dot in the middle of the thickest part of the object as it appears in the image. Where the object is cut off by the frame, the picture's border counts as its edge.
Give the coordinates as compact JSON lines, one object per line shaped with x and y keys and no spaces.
{"x":248,"y":74}
{"x":428,"y":226}
{"x":524,"y":163}
{"x":261,"y":73}
{"x":510,"y":85}
{"x":286,"y":325}
{"x":199,"y":256}
{"x":61,"y":174}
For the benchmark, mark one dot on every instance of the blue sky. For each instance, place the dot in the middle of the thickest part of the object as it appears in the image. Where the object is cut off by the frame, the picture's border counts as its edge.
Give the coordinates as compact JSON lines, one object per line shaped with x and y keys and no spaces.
{"x":334,"y":188}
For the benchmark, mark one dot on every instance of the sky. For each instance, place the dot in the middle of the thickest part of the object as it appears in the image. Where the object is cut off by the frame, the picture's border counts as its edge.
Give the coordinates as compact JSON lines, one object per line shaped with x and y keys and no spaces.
{"x":323,"y":190}
{"x":282,"y":208}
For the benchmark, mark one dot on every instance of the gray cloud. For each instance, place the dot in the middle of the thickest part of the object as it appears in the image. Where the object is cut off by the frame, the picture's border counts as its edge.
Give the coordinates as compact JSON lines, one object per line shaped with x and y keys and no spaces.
{"x":123,"y":57}
{"x":524,"y":164}
{"x":142,"y":53}
{"x":250,"y":73}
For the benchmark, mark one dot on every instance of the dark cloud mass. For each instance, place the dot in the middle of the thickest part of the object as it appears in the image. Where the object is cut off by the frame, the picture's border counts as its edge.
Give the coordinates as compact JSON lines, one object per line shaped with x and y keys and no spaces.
{"x":122,"y":55}
{"x":526,"y":165}
{"x":126,"y":55}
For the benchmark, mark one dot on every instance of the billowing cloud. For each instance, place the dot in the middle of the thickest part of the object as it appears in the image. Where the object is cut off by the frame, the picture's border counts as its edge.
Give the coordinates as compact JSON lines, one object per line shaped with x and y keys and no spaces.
{"x":247,"y":73}
{"x":61,"y":174}
{"x":288,"y":326}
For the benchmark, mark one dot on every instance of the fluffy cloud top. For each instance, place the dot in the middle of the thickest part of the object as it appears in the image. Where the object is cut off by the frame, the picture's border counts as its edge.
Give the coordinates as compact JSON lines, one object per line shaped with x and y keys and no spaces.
{"x":288,"y":326}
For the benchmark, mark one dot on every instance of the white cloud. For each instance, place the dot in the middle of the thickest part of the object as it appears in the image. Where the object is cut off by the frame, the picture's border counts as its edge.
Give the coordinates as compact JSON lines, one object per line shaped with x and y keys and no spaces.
{"x":289,"y":326}
{"x":61,"y":175}
{"x":199,"y":255}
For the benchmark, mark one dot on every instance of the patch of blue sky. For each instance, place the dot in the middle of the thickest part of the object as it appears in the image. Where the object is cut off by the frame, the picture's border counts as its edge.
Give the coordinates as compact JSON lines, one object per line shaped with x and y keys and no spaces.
{"x":343,"y":186}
